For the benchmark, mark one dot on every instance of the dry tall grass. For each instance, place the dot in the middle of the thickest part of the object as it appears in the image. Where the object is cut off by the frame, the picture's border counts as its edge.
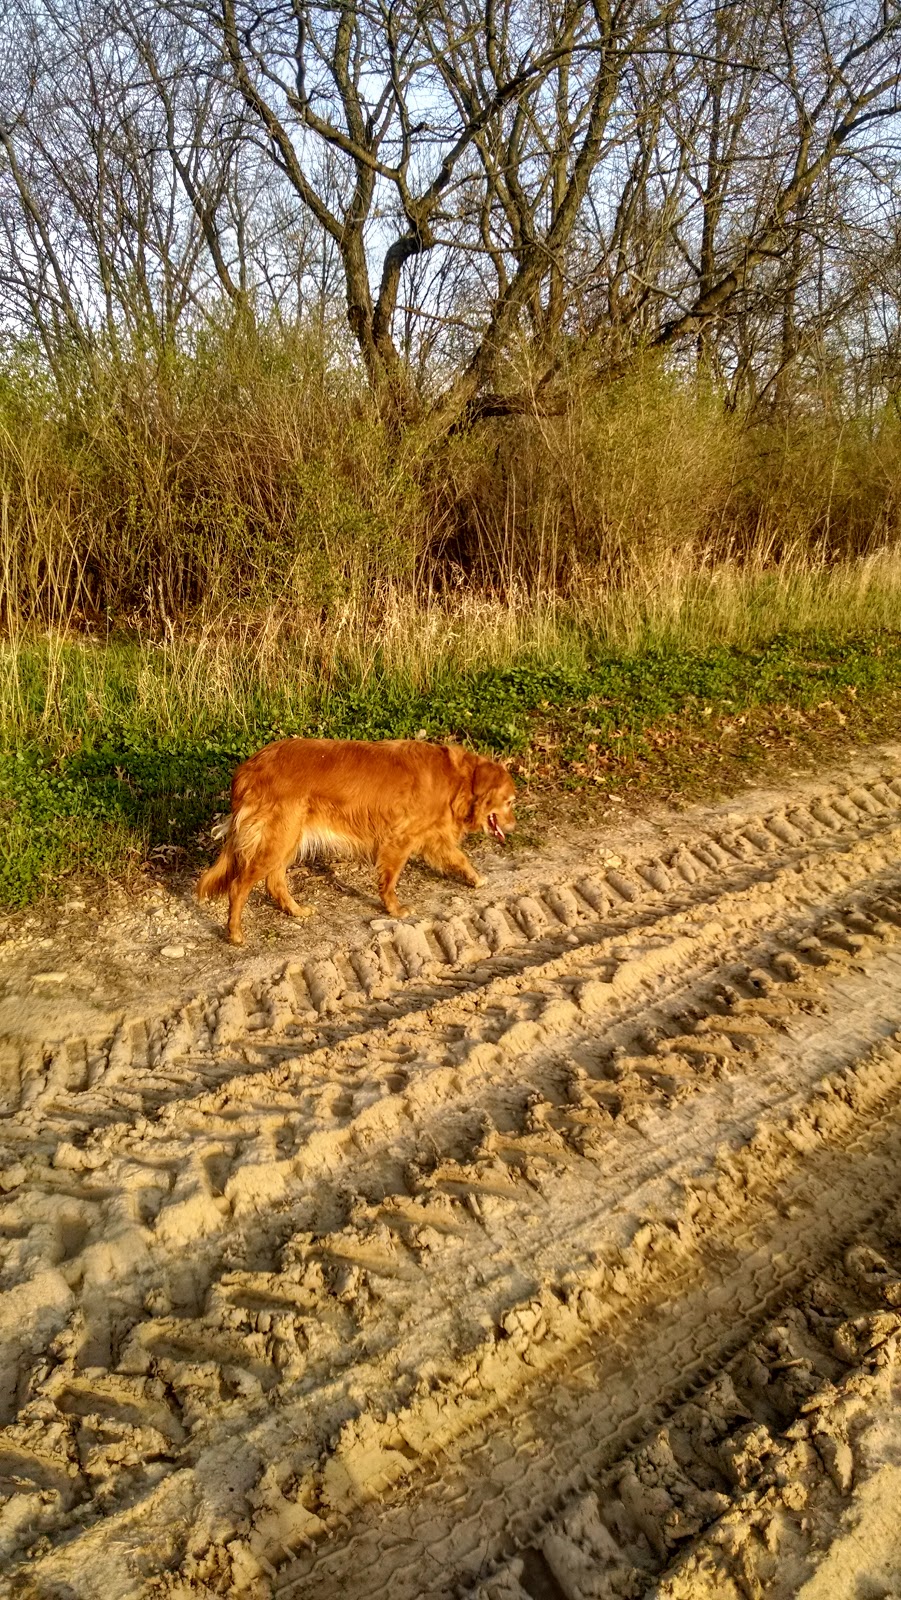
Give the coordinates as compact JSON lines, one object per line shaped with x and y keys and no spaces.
{"x":227,"y":670}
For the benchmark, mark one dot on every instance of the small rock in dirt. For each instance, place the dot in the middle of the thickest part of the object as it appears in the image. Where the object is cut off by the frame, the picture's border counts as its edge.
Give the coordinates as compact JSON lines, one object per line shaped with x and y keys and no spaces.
{"x":50,"y":977}
{"x":67,"y":1158}
{"x":838,"y":1459}
{"x":173,"y":951}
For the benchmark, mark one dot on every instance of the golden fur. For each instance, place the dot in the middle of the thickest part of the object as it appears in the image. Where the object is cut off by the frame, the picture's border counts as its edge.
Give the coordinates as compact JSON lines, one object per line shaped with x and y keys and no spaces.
{"x":384,"y":802}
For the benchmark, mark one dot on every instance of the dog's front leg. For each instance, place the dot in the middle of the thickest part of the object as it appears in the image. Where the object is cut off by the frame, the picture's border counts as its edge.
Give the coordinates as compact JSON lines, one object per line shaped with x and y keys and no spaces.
{"x":390,"y":864}
{"x":451,"y":860}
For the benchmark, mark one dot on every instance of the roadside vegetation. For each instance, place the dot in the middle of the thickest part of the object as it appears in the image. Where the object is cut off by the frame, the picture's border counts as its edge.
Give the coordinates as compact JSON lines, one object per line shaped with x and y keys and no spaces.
{"x":120,"y":747}
{"x":533,"y":382}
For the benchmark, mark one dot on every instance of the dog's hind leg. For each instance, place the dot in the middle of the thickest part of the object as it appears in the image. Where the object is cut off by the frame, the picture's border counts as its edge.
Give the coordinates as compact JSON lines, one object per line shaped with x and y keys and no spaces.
{"x":277,"y":888}
{"x":238,"y":890}
{"x":390,"y":863}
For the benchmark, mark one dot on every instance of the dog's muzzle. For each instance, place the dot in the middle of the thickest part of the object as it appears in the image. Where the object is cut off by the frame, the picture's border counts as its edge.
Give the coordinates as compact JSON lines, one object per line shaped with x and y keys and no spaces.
{"x":496,"y":828}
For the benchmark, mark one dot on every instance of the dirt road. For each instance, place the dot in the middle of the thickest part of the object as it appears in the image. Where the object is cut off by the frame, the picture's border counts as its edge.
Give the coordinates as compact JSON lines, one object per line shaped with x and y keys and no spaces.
{"x":545,"y":1248}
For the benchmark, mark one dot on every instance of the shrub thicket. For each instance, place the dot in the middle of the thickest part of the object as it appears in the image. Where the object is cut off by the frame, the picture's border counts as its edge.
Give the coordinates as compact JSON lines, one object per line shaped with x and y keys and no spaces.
{"x":255,"y":469}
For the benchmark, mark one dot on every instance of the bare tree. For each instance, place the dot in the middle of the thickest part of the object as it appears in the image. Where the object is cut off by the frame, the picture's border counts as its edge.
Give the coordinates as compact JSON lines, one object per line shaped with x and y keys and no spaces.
{"x":487,"y":184}
{"x":121,"y":199}
{"x":818,"y":101}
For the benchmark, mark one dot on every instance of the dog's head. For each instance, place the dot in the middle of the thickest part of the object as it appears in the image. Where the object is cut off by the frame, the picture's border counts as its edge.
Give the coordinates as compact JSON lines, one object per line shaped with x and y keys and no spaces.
{"x":493,"y":799}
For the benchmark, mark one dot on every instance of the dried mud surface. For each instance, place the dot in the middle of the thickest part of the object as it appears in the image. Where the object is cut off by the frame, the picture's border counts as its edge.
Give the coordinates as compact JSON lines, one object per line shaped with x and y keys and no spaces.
{"x":546,"y":1246}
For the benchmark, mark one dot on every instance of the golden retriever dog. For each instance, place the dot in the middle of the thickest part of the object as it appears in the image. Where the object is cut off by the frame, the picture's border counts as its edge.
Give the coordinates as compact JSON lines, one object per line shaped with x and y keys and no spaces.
{"x":382,"y":802}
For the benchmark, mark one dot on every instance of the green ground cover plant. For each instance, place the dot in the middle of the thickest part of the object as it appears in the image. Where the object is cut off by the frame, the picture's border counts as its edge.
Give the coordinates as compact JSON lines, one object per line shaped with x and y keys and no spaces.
{"x":100,"y":793}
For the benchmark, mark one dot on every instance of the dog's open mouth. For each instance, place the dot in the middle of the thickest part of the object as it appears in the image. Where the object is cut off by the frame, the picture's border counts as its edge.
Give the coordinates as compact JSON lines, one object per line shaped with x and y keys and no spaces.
{"x":496,"y":828}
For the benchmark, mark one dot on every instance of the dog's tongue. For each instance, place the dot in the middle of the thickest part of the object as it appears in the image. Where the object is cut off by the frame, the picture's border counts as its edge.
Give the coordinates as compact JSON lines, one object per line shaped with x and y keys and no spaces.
{"x":496,"y":828}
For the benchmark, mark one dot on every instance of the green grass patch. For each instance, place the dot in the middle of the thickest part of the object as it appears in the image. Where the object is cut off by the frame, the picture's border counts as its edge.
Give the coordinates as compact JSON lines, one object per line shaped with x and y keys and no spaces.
{"x":101,"y":785}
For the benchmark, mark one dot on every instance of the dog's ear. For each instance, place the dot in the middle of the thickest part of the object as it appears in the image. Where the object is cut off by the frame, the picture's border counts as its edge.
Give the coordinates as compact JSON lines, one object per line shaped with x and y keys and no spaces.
{"x":484,"y":777}
{"x":483,"y":782}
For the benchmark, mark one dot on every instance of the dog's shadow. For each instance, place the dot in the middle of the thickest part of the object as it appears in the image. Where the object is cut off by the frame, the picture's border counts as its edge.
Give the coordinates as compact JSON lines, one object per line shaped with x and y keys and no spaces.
{"x":326,"y":872}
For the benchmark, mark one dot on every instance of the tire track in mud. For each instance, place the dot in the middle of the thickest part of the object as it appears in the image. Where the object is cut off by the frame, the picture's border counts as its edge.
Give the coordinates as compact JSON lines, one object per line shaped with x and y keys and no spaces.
{"x":742,"y":1461}
{"x":262,"y":1281}
{"x":542,"y":1480}
{"x":588,"y":1330}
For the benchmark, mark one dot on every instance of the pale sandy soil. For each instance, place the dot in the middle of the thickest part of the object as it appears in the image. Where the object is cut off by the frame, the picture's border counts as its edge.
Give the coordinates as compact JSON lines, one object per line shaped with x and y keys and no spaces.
{"x":546,"y":1245}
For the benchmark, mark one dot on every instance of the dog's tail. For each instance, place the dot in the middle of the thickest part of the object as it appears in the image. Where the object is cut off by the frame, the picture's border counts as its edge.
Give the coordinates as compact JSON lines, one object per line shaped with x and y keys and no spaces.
{"x":216,"y":879}
{"x":243,"y":834}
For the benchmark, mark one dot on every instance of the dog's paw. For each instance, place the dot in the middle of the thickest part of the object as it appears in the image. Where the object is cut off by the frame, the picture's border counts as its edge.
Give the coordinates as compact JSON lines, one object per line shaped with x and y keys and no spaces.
{"x":297,"y":910}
